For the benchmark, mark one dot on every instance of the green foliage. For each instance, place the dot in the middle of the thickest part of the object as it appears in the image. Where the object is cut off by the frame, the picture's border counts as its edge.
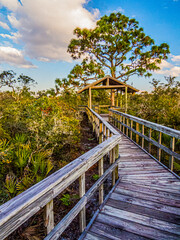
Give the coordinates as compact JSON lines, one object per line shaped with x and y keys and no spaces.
{"x":161,"y":106}
{"x":66,"y":200}
{"x":86,"y":71}
{"x":119,"y":45}
{"x":95,"y":177}
{"x":10,"y":185}
{"x":32,"y":130}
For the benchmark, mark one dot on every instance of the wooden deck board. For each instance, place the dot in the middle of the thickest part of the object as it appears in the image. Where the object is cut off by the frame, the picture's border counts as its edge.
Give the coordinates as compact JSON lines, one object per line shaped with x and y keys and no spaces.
{"x":144,"y":205}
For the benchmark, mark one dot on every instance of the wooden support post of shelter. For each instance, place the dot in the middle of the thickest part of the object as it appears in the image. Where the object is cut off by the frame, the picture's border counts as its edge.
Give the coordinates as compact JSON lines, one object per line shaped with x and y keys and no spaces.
{"x":112,"y":98}
{"x":109,"y":83}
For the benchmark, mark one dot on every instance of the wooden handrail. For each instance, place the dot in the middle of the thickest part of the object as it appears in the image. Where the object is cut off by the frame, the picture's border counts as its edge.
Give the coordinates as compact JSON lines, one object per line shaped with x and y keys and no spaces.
{"x":122,"y":119}
{"x":19,"y":209}
{"x":169,"y":131}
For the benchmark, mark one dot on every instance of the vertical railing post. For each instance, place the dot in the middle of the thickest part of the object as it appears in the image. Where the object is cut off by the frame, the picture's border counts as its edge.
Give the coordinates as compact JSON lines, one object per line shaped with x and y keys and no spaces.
{"x":131,"y":128}
{"x":98,"y":127}
{"x":111,"y":151}
{"x":123,"y":125}
{"x":117,"y":156}
{"x":171,"y":158}
{"x":104,"y":133}
{"x":82,"y":215}
{"x":137,"y":136}
{"x":107,"y":133}
{"x":101,"y":188}
{"x":100,"y":132}
{"x":159,"y":149}
{"x":142,"y":145}
{"x":113,"y":160}
{"x":150,"y":132}
{"x":49,"y":216}
{"x":127,"y":123}
{"x":120,"y":123}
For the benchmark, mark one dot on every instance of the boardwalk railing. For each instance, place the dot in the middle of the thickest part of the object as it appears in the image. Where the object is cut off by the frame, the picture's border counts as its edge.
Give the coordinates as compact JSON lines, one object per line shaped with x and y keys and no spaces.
{"x":19,"y":209}
{"x":129,"y":124}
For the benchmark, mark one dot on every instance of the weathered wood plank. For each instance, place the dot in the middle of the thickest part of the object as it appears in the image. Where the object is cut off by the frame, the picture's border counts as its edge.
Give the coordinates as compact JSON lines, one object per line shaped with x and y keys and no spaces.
{"x":139,"y":229}
{"x":141,"y":171}
{"x":148,"y":196}
{"x":145,"y":203}
{"x":148,"y":189}
{"x":94,"y":236}
{"x":172,"y":218}
{"x":155,"y":126}
{"x":147,"y":221}
{"x":82,"y":215}
{"x":49,"y":216}
{"x":153,"y":185}
{"x":114,"y":233}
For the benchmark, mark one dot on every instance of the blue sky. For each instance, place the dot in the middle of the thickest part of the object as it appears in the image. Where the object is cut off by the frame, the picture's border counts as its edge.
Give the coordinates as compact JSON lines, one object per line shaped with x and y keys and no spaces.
{"x":34,"y":36}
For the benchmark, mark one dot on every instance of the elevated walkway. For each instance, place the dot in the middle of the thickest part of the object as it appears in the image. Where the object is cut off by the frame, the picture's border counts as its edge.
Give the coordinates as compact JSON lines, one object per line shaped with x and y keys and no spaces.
{"x":144,"y":203}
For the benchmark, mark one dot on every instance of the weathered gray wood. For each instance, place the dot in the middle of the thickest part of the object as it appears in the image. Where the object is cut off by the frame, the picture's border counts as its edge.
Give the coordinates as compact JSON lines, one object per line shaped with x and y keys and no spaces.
{"x":141,"y":171}
{"x":64,"y":223}
{"x":162,"y":193}
{"x":141,"y":219}
{"x":49,"y":216}
{"x":82,"y":215}
{"x":159,"y":150}
{"x":113,"y":160}
{"x":142,"y":145}
{"x":145,"y":203}
{"x":148,"y":196}
{"x":149,"y":147}
{"x":104,"y":122}
{"x":131,"y":126}
{"x":155,"y":126}
{"x":106,"y":230}
{"x":171,"y":158}
{"x":101,"y":188}
{"x":136,"y":228}
{"x":95,"y":236}
{"x":18,"y":210}
{"x":151,"y":141}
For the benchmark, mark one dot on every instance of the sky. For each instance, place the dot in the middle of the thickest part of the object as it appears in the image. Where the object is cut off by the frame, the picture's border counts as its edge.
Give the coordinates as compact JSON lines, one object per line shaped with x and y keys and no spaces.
{"x":34,"y":34}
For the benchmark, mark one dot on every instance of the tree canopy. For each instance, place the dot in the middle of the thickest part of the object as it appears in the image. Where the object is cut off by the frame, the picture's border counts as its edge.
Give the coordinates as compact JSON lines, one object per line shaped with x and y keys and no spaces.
{"x":86,"y":71}
{"x":119,"y":45}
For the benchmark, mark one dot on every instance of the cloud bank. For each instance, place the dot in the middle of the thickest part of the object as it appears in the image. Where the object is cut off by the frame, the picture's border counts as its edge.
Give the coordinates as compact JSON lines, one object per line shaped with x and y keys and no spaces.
{"x":167,"y":68}
{"x":14,"y":57}
{"x":45,"y":27}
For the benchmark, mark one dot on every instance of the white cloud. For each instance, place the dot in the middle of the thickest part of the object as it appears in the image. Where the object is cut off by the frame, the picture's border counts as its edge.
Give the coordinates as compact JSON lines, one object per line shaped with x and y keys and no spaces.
{"x":10,"y":4}
{"x":168,"y":68}
{"x":175,"y":58}
{"x":13,"y":21}
{"x":4,"y":25}
{"x":165,"y":64}
{"x":45,"y":27}
{"x":174,"y":71}
{"x":14,"y":36}
{"x":14,"y":57}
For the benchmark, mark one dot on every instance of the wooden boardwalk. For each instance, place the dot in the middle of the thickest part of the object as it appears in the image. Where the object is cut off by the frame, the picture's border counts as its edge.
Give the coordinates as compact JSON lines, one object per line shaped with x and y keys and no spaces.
{"x":145,"y":204}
